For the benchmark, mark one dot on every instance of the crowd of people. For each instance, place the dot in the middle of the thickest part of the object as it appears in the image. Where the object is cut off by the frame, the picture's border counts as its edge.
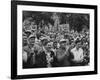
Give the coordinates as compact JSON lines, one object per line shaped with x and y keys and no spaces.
{"x":54,"y":49}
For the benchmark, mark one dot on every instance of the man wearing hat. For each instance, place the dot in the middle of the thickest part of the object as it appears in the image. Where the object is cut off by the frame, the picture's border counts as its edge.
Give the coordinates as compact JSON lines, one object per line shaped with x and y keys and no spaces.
{"x":29,"y":49}
{"x":62,"y":53}
{"x":44,"y":40}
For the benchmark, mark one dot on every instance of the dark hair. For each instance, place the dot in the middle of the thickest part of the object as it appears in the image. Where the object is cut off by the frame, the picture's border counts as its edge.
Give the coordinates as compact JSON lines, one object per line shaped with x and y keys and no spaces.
{"x":77,"y":41}
{"x":28,"y":33}
{"x":55,"y":42}
{"x":63,"y":42}
{"x":32,"y":37}
{"x":46,"y":42}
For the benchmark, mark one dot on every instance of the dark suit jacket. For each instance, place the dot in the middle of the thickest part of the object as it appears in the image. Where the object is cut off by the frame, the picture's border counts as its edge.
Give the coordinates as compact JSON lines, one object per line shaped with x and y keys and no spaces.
{"x":41,"y":59}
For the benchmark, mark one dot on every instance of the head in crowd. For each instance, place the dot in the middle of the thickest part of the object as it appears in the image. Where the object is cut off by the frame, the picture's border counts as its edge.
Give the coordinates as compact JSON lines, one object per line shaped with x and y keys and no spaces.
{"x":44,"y":40}
{"x":49,"y":46}
{"x":73,"y":44}
{"x":63,"y":43}
{"x":28,"y":33}
{"x":31,"y":39}
{"x":55,"y":44}
{"x":78,"y":44}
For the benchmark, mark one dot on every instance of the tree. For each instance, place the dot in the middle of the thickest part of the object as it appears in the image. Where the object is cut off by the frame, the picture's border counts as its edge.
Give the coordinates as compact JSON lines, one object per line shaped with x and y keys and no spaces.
{"x":77,"y":21}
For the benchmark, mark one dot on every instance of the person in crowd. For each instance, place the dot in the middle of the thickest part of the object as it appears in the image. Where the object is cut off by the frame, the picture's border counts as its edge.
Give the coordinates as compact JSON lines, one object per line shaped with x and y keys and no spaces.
{"x":30,"y":52}
{"x":45,"y":57}
{"x":28,"y":33}
{"x":25,"y":40}
{"x":43,"y":41}
{"x":62,"y":54}
{"x":86,"y":59}
{"x":78,"y":54}
{"x":27,"y":24}
{"x":41,"y":57}
{"x":50,"y":55}
{"x":55,"y":46}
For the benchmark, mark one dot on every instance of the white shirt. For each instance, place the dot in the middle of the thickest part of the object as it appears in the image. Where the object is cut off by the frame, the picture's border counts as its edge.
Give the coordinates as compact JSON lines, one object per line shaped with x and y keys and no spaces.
{"x":24,"y":56}
{"x":78,"y":54}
